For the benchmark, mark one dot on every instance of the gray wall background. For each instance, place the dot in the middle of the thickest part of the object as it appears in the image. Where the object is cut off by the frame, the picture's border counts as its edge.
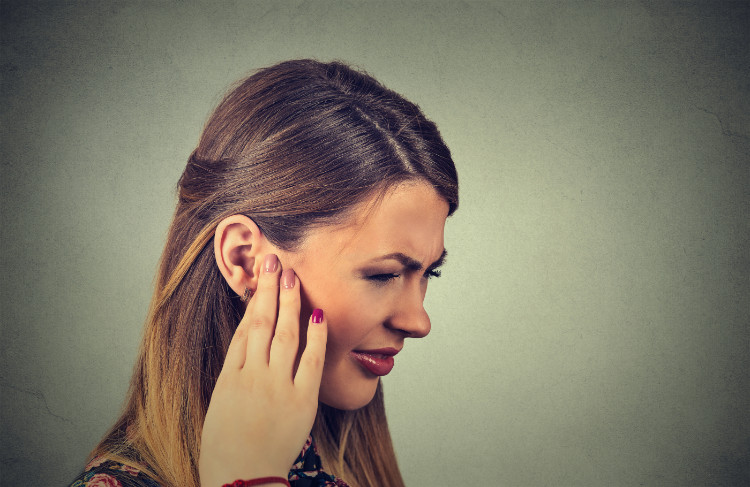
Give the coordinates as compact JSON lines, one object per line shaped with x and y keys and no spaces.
{"x":591,"y":325}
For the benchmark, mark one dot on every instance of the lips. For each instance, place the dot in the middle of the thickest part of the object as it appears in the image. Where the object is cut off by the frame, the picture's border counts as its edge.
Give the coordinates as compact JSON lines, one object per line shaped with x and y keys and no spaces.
{"x":378,"y":362}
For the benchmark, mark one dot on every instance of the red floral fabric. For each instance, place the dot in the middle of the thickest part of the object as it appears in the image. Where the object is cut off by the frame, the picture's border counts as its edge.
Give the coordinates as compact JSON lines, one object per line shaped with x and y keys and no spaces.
{"x":307,"y":471}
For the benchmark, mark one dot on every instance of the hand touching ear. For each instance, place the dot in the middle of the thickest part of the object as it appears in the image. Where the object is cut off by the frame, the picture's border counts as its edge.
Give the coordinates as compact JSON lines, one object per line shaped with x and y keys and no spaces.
{"x":261,"y":411}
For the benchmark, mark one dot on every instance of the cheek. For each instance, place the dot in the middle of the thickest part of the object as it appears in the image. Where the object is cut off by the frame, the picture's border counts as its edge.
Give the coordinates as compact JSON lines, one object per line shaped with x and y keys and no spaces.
{"x":350,"y":320}
{"x":353,"y":309}
{"x":352,"y":315}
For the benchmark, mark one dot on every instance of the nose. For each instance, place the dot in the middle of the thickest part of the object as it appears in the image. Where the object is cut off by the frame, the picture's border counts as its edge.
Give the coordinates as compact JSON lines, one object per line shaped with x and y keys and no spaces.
{"x":410,"y":318}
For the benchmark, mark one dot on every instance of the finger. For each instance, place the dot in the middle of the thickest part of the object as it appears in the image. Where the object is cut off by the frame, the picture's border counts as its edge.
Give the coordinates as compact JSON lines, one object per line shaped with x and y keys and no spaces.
{"x":286,"y":336}
{"x":236,"y":352}
{"x":311,"y":363}
{"x":261,"y":315}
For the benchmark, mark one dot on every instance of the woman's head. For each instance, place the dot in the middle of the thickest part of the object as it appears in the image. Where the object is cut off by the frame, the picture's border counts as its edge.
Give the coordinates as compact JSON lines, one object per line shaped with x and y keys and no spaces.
{"x":309,"y":153}
{"x":298,"y":144}
{"x":350,"y":185}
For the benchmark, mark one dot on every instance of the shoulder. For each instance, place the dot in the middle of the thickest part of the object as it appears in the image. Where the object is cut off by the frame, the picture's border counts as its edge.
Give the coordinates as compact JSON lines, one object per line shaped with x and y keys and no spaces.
{"x":106,"y":473}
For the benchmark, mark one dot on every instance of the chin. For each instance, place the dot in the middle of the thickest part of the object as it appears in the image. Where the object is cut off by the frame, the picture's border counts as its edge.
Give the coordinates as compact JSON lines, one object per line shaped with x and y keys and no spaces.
{"x":350,"y":398}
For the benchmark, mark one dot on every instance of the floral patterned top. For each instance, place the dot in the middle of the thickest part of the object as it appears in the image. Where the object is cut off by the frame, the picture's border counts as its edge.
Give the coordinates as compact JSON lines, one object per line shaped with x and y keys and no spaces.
{"x":307,"y":471}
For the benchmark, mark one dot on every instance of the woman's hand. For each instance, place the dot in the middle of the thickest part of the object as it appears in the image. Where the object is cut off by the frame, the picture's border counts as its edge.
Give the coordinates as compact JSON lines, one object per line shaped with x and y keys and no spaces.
{"x":261,"y":412}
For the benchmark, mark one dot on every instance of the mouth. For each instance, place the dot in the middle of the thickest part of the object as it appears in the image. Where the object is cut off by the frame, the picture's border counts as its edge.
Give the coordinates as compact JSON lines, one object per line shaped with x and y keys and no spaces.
{"x":378,"y":362}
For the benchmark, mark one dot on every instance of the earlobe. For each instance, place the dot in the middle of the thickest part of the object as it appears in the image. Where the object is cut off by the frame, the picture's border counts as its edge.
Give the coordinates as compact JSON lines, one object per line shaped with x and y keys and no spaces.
{"x":247,"y":295}
{"x":237,"y":246}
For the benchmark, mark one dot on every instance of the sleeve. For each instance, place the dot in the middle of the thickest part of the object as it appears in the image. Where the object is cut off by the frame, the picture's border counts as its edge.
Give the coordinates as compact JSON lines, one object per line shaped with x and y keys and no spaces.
{"x":107,"y":473}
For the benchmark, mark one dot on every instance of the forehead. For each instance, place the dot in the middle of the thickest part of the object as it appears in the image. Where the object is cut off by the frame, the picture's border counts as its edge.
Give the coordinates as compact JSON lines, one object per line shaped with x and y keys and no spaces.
{"x":408,"y":218}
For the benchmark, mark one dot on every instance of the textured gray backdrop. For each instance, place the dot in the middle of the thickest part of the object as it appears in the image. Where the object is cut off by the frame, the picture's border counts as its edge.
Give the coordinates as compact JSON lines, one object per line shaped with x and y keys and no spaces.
{"x":591,"y":326}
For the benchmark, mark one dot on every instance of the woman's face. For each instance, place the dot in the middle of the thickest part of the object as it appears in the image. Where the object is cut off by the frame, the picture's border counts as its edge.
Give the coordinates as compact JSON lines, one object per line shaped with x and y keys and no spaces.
{"x":369,"y":276}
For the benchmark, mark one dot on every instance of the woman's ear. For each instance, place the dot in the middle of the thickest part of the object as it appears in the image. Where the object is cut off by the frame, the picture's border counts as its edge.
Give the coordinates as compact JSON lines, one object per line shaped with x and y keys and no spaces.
{"x":238,"y":247}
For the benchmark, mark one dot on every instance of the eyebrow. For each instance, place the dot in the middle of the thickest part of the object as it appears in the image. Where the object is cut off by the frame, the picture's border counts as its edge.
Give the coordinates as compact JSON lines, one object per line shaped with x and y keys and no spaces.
{"x":411,"y":263}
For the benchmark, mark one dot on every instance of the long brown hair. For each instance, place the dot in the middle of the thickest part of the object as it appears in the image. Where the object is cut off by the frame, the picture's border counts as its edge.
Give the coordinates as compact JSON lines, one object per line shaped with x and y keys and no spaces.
{"x":293,"y":146}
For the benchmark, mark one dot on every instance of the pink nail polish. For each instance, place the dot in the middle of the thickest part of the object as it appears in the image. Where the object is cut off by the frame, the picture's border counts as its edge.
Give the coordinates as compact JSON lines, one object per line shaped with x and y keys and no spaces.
{"x":317,"y":316}
{"x":271,"y":263}
{"x":287,"y":278}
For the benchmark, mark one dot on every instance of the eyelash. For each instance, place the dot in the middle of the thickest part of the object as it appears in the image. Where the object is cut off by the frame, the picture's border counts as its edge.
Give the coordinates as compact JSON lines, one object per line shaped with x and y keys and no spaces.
{"x":384,"y":278}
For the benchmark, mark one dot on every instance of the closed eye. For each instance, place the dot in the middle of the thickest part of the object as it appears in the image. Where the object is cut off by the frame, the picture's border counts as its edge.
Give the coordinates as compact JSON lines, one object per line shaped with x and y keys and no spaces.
{"x":382,"y":278}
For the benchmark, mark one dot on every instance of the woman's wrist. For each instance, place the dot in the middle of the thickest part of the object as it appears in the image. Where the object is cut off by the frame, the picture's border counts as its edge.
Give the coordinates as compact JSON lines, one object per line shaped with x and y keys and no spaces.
{"x":260,"y":481}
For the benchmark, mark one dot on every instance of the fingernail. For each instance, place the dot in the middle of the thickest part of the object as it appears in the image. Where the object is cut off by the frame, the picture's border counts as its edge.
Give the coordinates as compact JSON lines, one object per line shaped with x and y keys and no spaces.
{"x":317,"y":316}
{"x":271,"y":263}
{"x":287,"y":278}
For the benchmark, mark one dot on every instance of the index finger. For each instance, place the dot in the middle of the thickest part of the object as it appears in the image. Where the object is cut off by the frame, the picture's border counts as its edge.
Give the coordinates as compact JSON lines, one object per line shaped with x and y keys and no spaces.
{"x":261,"y":314}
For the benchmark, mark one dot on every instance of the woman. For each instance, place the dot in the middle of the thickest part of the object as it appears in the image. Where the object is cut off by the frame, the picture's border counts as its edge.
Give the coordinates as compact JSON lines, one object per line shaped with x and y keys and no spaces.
{"x":310,"y":217}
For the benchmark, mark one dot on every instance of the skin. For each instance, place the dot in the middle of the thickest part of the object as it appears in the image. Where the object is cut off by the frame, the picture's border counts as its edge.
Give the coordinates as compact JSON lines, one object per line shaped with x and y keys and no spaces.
{"x":371,"y":302}
{"x":369,"y":276}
